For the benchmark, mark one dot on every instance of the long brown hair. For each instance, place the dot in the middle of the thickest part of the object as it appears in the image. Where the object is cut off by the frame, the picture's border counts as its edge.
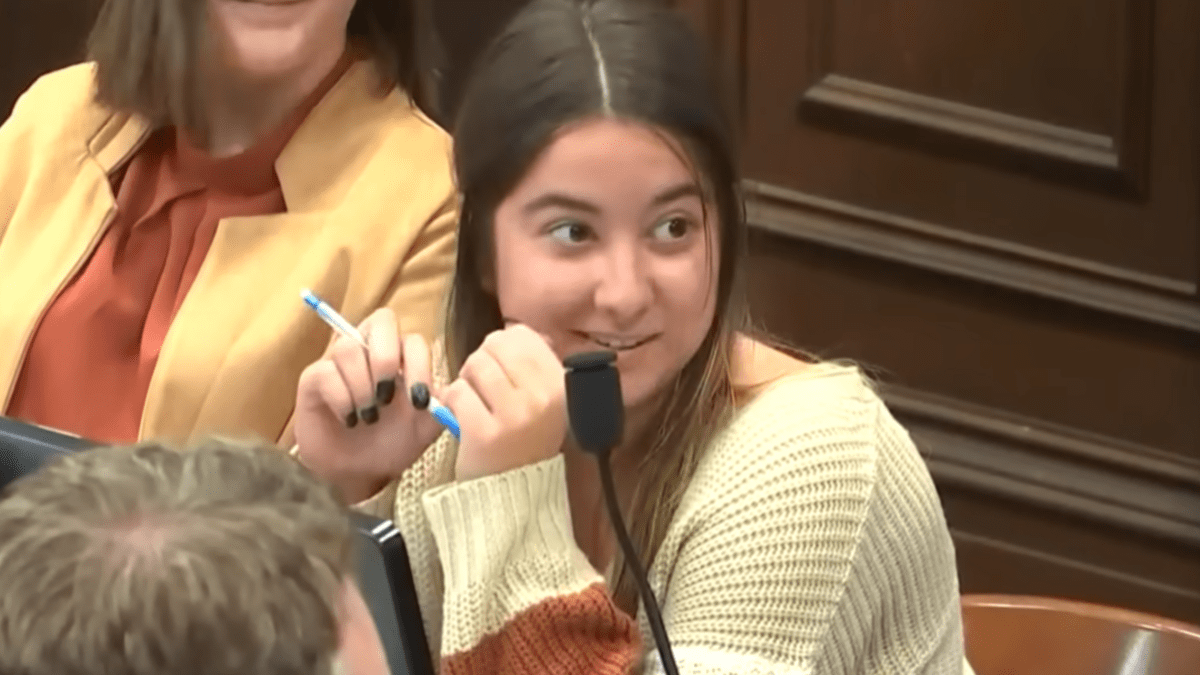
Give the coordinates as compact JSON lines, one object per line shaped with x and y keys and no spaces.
{"x":542,"y":73}
{"x":148,"y":55}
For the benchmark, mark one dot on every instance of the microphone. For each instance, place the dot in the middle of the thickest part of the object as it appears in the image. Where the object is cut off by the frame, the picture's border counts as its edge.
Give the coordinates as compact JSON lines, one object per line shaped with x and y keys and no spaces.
{"x":596,"y":411}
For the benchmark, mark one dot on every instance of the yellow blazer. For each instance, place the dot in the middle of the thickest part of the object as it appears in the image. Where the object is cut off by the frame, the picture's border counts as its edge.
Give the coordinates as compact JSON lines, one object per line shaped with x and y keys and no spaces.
{"x":371,"y":219}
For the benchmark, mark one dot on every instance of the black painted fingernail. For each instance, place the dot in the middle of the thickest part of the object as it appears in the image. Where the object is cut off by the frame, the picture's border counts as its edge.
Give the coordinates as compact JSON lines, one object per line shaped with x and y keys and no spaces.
{"x":351,"y":420}
{"x":370,"y":415}
{"x":420,"y":396}
{"x":385,"y":391}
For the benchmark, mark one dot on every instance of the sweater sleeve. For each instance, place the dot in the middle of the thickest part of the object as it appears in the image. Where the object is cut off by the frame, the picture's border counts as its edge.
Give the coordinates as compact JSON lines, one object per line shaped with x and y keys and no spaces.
{"x":520,"y":597}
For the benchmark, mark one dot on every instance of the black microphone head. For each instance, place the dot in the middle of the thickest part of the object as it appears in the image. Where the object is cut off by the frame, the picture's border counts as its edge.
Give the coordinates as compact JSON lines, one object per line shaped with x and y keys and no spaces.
{"x":595,"y":406}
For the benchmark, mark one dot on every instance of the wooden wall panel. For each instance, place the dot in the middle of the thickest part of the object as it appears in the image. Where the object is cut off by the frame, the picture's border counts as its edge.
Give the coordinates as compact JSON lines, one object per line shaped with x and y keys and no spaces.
{"x":37,"y":36}
{"x":954,"y":164}
{"x":994,"y":205}
{"x":465,"y":27}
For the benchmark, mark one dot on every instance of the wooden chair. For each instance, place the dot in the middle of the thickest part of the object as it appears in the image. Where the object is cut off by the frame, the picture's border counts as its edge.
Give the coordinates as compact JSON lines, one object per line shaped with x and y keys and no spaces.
{"x":1026,"y":635}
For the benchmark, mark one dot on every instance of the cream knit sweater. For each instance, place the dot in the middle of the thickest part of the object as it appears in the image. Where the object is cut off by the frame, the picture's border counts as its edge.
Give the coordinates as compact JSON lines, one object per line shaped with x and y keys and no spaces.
{"x":811,"y":540}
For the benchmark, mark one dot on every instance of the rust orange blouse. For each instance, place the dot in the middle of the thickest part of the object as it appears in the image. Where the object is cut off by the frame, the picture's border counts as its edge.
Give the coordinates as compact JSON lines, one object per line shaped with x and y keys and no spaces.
{"x":89,"y":364}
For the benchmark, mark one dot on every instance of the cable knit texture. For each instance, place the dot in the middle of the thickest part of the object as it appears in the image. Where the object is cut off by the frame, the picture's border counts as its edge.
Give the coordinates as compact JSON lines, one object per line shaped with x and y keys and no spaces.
{"x":811,"y":540}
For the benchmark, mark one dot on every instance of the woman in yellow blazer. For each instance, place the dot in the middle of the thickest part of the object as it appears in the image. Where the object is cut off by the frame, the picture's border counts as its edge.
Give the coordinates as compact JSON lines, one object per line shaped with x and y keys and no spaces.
{"x":162,"y":206}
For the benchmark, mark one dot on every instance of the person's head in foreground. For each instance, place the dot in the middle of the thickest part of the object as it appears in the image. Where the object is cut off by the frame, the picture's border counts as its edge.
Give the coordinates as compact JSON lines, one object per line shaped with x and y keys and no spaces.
{"x":601,"y":208}
{"x":221,"y":560}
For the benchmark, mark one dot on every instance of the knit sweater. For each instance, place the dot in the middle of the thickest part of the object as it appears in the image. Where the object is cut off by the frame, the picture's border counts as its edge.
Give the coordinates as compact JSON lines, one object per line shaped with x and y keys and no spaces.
{"x":810,"y":540}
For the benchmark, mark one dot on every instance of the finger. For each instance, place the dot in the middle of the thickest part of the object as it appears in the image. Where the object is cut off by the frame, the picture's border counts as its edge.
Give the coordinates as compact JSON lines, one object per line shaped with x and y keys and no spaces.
{"x":418,"y":367}
{"x":383,"y":352}
{"x":510,"y":322}
{"x":488,"y":378}
{"x":505,"y":349}
{"x":525,"y":354}
{"x":532,"y":339}
{"x":474,"y":418}
{"x":514,"y":357}
{"x":325,"y":381}
{"x":351,"y":362}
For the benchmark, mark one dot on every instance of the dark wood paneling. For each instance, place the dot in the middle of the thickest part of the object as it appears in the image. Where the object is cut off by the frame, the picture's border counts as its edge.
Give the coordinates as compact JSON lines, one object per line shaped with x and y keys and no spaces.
{"x":465,"y":27}
{"x":994,"y":206}
{"x":1122,"y":292}
{"x":972,"y":341}
{"x":945,"y":99}
{"x":1075,"y":110}
{"x":37,"y":36}
{"x":1036,"y":506}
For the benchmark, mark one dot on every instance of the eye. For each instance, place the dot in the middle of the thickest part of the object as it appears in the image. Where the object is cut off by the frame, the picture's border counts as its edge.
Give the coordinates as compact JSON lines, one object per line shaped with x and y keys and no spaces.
{"x":570,"y":232}
{"x":673,"y":228}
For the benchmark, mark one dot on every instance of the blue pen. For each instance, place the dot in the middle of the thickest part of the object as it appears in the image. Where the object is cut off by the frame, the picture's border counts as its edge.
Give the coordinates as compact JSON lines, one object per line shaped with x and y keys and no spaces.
{"x":330,"y":316}
{"x":343,"y":327}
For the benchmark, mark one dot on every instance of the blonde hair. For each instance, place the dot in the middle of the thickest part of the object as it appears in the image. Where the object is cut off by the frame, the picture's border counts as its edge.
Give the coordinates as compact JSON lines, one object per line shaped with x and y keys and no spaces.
{"x":222,"y":559}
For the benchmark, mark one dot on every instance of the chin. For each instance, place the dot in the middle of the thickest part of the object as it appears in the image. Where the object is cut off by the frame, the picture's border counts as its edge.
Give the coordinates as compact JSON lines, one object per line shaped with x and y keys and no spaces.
{"x":268,"y":54}
{"x":638,"y":390}
{"x":260,"y":67}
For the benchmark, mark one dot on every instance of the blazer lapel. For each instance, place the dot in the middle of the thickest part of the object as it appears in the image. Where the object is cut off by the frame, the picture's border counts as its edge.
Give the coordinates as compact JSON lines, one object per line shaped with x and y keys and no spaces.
{"x":63,"y":231}
{"x":242,"y":323}
{"x":241,"y":320}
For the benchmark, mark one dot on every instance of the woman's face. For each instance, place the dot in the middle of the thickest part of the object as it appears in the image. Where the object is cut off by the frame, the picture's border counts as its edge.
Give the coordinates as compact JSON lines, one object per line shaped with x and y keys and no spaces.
{"x":603,"y":245}
{"x":266,"y":40}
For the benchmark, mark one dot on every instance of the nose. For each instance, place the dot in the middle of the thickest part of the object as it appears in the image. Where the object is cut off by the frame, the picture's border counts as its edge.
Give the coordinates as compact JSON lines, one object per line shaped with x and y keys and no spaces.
{"x":624,"y":289}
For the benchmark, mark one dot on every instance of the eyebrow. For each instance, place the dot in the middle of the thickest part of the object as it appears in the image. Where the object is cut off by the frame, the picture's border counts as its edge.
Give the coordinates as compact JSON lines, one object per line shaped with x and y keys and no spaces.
{"x":556,"y":199}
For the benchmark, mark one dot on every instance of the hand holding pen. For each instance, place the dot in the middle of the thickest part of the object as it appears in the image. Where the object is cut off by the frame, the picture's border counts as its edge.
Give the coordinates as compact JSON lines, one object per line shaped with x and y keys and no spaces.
{"x":350,"y":426}
{"x":418,"y":392}
{"x":510,"y":391}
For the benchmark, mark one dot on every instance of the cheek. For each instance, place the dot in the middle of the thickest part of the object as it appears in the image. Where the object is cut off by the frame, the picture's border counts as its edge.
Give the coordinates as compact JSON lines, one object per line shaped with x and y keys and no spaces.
{"x":689,"y":295}
{"x":537,"y":288}
{"x":692,"y":284}
{"x":338,"y":15}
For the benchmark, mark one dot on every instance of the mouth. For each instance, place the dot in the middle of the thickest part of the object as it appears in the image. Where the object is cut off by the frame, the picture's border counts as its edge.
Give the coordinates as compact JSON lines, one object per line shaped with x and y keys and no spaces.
{"x":618,"y":343}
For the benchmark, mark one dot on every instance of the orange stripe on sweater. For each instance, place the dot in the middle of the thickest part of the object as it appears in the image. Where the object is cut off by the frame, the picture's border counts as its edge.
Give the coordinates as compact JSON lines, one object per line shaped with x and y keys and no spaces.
{"x":580,"y":634}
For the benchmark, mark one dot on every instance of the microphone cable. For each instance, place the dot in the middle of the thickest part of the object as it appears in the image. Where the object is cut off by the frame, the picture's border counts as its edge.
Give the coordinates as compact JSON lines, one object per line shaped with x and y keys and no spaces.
{"x":596,"y":411}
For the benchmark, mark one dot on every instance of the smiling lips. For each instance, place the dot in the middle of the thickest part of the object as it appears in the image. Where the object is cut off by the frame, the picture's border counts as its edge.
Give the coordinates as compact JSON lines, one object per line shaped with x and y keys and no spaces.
{"x":618,"y":343}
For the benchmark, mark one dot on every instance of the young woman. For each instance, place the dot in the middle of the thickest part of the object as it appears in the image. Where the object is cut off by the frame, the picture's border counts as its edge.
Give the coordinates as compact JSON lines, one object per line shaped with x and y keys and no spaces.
{"x":789,"y":524}
{"x":162,"y":206}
